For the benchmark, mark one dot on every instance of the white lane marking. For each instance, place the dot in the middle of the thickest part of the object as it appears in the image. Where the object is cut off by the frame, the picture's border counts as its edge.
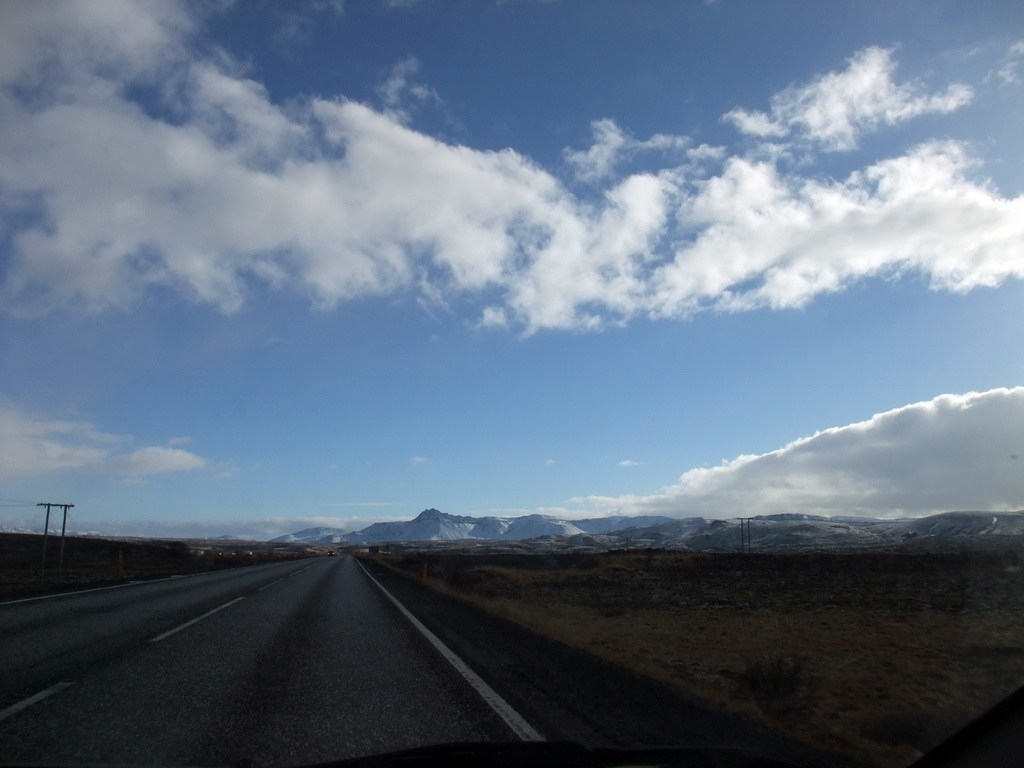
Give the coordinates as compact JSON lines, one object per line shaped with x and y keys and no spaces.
{"x":513,"y":719}
{"x":294,"y":573}
{"x":305,"y":568}
{"x":25,"y":703}
{"x":189,"y":623}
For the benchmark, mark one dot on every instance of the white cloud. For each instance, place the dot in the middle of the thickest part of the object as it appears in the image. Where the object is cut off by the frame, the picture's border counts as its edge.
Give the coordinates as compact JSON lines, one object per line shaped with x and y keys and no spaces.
{"x":56,"y":50}
{"x":612,"y":145}
{"x":31,"y":444}
{"x":754,"y":123}
{"x":767,"y":240}
{"x":400,"y":93}
{"x":416,"y":460}
{"x":630,"y":463}
{"x":836,"y":108}
{"x":955,"y":452}
{"x":155,"y":460}
{"x":329,"y":198}
{"x":1008,"y":71}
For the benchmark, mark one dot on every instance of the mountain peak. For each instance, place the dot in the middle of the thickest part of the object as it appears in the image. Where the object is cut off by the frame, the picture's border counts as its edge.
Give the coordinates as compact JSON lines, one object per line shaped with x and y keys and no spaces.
{"x":431,"y":514}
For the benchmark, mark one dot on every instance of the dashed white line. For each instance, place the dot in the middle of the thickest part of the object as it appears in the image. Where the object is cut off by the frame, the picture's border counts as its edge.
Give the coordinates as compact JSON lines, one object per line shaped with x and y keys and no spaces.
{"x":277,"y":581}
{"x":25,"y":703}
{"x":513,"y":719}
{"x":189,"y":623}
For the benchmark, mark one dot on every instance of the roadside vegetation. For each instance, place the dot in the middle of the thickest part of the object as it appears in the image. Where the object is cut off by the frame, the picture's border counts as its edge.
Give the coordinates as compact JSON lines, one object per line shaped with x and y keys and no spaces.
{"x":877,"y":656}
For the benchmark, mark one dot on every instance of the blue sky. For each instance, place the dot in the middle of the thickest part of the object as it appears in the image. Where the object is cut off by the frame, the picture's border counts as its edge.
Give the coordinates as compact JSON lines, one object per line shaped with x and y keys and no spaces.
{"x":266,"y":266}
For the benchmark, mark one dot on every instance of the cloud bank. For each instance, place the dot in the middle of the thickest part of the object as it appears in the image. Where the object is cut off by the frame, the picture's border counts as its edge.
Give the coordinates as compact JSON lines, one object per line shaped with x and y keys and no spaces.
{"x":131,"y":162}
{"x":955,"y":452}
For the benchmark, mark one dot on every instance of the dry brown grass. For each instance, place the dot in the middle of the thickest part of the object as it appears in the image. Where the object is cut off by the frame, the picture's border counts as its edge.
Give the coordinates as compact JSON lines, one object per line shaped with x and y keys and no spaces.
{"x":874,"y":656}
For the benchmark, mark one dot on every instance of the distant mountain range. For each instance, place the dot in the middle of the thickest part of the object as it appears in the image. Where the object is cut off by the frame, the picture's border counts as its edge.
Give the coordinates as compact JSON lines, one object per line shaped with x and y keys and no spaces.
{"x":776,"y":533}
{"x":433,"y":525}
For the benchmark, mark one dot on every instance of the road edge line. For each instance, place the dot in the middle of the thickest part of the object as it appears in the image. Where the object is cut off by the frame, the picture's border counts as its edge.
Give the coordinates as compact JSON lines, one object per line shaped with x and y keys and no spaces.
{"x":34,"y":699}
{"x":190,"y":622}
{"x":504,"y":710}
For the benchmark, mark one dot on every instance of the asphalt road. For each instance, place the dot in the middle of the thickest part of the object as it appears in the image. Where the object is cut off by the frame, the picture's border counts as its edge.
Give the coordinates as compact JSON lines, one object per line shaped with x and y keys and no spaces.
{"x":288,"y":664}
{"x":305,"y":662}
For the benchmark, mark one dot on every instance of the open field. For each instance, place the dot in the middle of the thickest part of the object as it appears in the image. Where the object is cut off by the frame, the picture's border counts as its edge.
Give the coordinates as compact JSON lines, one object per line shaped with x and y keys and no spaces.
{"x":89,"y":561}
{"x":876,"y":656}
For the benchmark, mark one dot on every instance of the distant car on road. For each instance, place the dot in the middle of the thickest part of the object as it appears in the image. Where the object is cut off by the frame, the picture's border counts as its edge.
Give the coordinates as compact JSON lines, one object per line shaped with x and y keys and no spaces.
{"x":331,"y":553}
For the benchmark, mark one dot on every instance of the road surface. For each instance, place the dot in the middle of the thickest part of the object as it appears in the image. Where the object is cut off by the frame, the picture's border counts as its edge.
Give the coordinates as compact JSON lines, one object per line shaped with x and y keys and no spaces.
{"x":309,"y":661}
{"x":288,"y":664}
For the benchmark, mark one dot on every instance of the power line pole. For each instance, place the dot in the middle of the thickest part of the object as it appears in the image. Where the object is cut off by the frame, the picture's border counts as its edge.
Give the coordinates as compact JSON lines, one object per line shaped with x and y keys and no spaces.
{"x":46,"y":534}
{"x":63,"y":529}
{"x":745,"y":534}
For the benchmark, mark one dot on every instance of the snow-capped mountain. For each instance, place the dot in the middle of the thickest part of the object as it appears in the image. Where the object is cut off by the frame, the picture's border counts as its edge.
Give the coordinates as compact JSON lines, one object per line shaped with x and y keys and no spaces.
{"x":434,"y":525}
{"x":802,"y":532}
{"x":491,"y":527}
{"x":767,"y":533}
{"x":620,"y":522}
{"x":317,"y":535}
{"x":429,"y":525}
{"x":959,"y":524}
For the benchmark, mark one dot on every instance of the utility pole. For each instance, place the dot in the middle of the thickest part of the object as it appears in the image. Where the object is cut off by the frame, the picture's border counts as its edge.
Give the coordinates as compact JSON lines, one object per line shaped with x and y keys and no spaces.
{"x":46,"y":534}
{"x":745,"y":534}
{"x":63,"y":529}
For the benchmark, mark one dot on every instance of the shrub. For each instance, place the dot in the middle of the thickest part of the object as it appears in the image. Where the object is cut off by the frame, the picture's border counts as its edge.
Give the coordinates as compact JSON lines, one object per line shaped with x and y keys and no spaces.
{"x":778,"y":684}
